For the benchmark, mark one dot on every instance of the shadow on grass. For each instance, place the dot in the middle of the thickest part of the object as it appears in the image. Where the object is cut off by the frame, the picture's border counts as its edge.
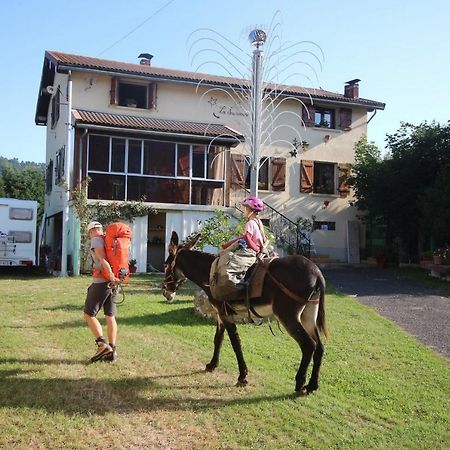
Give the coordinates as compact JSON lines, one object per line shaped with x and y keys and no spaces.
{"x":37,"y":361}
{"x":67,"y":307}
{"x":88,"y":396}
{"x":179,"y":316}
{"x":23,"y":273}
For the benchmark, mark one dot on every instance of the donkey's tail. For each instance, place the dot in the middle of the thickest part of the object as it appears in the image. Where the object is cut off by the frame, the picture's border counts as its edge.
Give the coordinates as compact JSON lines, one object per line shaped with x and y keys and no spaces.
{"x":321,"y":320}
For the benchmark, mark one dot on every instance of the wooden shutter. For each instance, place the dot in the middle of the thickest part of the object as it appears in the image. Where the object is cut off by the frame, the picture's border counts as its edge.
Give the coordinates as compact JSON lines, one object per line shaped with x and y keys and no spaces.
{"x":306,"y":176}
{"x":114,"y":90}
{"x":278,"y":166}
{"x":345,"y":118}
{"x":151,"y":93}
{"x":237,"y":170}
{"x":344,"y":175}
{"x":308,"y":115}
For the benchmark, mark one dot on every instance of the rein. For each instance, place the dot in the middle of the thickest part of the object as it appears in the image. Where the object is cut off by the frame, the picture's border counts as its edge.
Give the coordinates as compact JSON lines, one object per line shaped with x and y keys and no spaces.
{"x":289,"y":293}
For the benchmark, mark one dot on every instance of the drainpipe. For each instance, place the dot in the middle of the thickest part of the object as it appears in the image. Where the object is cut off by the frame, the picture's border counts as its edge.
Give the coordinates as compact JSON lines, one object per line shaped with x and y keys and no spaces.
{"x":372,"y":116}
{"x":67,"y":166}
{"x":77,"y":226}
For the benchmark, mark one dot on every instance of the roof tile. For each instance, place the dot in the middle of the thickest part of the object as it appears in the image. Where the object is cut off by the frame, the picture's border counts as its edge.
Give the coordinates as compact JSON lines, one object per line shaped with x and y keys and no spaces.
{"x":86,"y":62}
{"x":162,"y":126}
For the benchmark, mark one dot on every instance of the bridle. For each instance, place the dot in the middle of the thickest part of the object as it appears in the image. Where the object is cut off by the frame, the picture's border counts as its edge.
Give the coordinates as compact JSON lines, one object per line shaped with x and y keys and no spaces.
{"x":170,"y":280}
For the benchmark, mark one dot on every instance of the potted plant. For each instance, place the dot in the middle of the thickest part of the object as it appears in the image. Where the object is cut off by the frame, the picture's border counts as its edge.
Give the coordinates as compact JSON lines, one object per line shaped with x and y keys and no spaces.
{"x":426,"y":259}
{"x":132,"y":265}
{"x":438,"y":256}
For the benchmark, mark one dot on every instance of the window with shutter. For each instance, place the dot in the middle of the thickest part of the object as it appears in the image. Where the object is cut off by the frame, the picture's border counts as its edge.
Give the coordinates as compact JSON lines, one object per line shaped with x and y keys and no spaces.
{"x":306,"y":176}
{"x":113,"y":91}
{"x":345,"y":119}
{"x":308,"y":115}
{"x":151,"y":93}
{"x":344,"y":175}
{"x":278,"y":166}
{"x":133,"y":94}
{"x":237,"y":170}
{"x":49,"y":177}
{"x":324,"y":118}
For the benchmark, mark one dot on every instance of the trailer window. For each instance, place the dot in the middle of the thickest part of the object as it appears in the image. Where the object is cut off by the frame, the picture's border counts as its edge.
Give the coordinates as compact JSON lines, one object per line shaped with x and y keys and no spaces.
{"x":21,"y":237}
{"x":20,"y":213}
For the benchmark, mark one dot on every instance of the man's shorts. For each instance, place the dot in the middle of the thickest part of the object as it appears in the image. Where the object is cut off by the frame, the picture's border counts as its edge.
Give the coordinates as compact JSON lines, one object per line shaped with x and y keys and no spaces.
{"x":100,"y":295}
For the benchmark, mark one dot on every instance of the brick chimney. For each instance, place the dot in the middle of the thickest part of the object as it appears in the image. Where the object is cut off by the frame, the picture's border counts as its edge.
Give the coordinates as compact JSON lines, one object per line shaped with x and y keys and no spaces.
{"x":146,"y":59}
{"x":351,"y":88}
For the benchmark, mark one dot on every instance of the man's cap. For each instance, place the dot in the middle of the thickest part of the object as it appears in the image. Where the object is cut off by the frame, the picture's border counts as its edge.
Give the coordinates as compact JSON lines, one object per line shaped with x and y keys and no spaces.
{"x":94,"y":225}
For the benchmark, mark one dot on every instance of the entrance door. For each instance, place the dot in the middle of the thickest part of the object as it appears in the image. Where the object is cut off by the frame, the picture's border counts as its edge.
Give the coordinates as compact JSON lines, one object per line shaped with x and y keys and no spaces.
{"x":156,"y":242}
{"x":353,"y":242}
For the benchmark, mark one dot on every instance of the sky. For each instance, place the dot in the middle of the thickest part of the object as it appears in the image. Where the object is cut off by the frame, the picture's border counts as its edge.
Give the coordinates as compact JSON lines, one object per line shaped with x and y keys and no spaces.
{"x":399,"y":50}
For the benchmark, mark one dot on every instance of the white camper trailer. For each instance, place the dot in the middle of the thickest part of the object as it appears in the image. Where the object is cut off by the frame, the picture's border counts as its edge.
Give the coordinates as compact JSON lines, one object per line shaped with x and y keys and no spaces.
{"x":18,"y":232}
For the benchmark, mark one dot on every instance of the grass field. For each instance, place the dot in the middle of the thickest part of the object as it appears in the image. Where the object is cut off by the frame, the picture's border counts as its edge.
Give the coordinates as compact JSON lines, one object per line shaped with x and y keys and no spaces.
{"x":380,"y":389}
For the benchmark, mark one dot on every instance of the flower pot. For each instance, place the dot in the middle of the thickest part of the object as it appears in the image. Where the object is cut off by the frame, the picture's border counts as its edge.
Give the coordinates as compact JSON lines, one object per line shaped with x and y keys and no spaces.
{"x":437,"y":259}
{"x":132,"y":269}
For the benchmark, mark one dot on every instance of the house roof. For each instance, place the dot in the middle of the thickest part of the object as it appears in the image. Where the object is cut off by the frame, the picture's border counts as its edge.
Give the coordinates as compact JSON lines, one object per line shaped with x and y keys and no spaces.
{"x":64,"y":61}
{"x":159,"y":127}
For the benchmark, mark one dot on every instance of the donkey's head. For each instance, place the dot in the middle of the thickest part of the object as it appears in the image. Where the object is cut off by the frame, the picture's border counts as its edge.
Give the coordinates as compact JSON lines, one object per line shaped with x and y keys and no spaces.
{"x":174,"y":275}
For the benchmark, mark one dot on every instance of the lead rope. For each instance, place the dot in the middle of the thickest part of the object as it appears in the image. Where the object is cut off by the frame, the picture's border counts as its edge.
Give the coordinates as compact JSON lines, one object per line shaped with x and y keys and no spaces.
{"x":117,"y":289}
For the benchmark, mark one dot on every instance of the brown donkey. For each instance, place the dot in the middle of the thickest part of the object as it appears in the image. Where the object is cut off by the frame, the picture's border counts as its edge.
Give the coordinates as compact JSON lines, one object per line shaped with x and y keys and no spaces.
{"x":293,"y":291}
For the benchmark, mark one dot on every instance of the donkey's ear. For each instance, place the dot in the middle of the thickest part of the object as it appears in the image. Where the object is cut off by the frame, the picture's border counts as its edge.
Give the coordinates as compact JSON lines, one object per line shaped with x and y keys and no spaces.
{"x":193,"y":241}
{"x":174,"y":238}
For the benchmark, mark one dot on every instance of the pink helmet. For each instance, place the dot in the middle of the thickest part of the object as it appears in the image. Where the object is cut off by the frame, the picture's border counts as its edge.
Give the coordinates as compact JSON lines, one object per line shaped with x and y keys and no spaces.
{"x":254,"y":203}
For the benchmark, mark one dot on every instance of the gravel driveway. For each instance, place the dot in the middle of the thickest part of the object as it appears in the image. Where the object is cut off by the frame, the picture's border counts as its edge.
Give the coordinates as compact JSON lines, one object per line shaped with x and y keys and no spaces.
{"x":422,"y":311}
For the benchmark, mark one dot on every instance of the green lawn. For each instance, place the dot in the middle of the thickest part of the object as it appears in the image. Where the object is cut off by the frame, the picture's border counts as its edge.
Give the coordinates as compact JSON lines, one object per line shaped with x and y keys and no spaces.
{"x":379,"y":389}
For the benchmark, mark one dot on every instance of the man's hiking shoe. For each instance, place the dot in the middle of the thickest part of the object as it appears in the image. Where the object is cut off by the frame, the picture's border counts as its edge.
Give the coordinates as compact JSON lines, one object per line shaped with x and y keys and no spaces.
{"x":110,"y":357}
{"x":103,"y":349}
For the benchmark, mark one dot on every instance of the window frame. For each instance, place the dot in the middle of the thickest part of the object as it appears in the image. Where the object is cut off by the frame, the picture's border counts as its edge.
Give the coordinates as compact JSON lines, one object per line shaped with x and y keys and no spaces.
{"x":60,"y":164}
{"x":322,"y":111}
{"x":147,"y":103}
{"x":262,"y":162}
{"x":15,"y":209}
{"x":333,"y":184}
{"x":192,"y":180}
{"x":308,"y":174}
{"x":324,"y":225}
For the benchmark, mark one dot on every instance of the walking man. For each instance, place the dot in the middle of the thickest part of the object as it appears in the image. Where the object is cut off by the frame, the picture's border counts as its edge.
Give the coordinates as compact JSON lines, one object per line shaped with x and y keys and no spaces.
{"x":101,"y":294}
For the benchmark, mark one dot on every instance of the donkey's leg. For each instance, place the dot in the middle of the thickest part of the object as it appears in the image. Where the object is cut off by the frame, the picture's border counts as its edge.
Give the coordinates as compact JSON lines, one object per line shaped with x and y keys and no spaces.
{"x":236,"y":344}
{"x":313,"y":383}
{"x":308,"y":319}
{"x":288,"y":312}
{"x":218,"y":339}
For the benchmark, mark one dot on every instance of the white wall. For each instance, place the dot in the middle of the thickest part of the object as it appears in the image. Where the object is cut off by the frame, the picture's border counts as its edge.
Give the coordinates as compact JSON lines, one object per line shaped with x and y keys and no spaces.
{"x":139,"y":243}
{"x":184,"y":223}
{"x":179,"y":101}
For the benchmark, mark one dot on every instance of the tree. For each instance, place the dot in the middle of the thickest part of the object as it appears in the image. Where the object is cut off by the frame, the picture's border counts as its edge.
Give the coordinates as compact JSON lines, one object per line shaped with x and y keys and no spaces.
{"x":401,"y":191}
{"x":24,"y":184}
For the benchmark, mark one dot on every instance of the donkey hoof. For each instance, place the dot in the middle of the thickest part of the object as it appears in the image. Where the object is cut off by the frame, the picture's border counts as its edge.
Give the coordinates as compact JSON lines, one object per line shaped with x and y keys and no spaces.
{"x":241,"y":383}
{"x":302,"y":392}
{"x":210,"y":368}
{"x":310,"y":388}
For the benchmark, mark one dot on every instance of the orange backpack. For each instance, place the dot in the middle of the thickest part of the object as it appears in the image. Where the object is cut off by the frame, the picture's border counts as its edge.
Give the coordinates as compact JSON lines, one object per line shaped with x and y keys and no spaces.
{"x":117,"y":245}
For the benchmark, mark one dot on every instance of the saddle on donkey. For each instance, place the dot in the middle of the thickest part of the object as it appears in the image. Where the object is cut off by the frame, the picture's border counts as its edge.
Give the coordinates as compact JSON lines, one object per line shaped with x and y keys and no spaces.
{"x":227,"y":278}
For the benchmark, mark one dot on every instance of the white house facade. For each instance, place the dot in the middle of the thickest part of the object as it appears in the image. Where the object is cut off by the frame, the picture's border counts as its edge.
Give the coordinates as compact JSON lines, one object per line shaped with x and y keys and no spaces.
{"x":176,"y":140}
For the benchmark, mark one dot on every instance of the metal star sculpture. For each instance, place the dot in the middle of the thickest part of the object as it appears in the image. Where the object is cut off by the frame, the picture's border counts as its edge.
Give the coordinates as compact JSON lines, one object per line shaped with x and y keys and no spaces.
{"x":294,"y":152}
